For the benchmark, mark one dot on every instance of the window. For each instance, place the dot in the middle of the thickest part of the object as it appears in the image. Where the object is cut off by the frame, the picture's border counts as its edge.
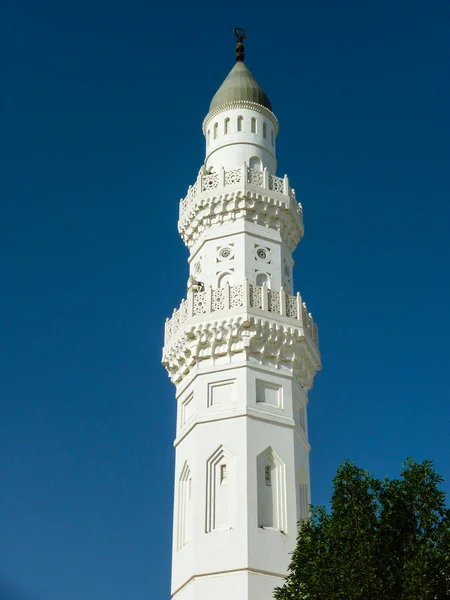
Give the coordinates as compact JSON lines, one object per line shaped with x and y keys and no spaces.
{"x":273,"y":139}
{"x":262,"y":279}
{"x":239,"y":123}
{"x":268,"y":475}
{"x":223,"y":474}
{"x":226,"y":126}
{"x":255,"y":163}
{"x":253,"y":125}
{"x":216,"y":128}
{"x":264,"y":129}
{"x":225,"y":279}
{"x":209,"y":135}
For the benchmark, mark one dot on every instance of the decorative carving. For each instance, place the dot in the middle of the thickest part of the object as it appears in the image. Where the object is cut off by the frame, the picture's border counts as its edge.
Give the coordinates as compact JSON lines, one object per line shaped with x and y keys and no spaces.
{"x":256,"y":296}
{"x":210,"y":182}
{"x":218,"y":299}
{"x":291,"y":307}
{"x":255,"y":177}
{"x":200,"y":303}
{"x":236,"y":296}
{"x":204,"y":211}
{"x":273,"y":301}
{"x":269,"y":342}
{"x":276,"y":184}
{"x":232,"y":177}
{"x":219,"y":303}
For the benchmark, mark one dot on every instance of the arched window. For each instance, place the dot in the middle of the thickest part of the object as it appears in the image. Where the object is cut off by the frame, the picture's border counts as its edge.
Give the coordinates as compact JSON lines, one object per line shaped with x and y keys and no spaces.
{"x":240,"y":121}
{"x":264,"y":129}
{"x":273,"y":138}
{"x":271,"y":477}
{"x":209,"y":135}
{"x":216,"y":129}
{"x":255,"y":163}
{"x":220,"y":492}
{"x":253,"y":125}
{"x":225,"y":278}
{"x":226,"y":125}
{"x":262,"y":279}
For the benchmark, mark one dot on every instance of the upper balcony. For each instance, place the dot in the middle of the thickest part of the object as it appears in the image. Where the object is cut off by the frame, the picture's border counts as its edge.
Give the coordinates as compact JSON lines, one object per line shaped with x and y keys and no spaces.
{"x":242,"y":193}
{"x":234,"y":299}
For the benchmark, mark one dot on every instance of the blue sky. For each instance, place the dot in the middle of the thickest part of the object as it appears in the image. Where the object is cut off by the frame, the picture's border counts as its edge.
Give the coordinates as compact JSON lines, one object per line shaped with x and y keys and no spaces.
{"x":103,"y":105}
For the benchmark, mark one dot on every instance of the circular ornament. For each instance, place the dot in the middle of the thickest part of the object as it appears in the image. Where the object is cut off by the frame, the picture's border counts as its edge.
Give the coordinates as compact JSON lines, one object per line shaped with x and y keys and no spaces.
{"x":261,"y":254}
{"x":225,"y":253}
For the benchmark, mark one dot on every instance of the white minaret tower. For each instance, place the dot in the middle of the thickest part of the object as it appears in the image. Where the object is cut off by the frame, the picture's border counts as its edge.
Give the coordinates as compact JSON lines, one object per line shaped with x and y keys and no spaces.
{"x":242,"y":351}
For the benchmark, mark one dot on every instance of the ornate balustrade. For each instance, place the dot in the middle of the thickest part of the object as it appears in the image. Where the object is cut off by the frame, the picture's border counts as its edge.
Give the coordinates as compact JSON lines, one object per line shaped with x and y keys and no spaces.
{"x":241,"y":296}
{"x":237,"y":178}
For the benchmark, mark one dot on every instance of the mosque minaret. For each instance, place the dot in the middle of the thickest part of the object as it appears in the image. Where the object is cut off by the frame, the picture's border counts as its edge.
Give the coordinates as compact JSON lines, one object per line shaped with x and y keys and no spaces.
{"x":242,"y":351}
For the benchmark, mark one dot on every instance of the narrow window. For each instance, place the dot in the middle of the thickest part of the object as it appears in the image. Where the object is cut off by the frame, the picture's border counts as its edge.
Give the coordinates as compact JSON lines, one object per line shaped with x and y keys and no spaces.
{"x":209,"y":135}
{"x":216,"y":128}
{"x":268,"y":475}
{"x":223,"y":474}
{"x":264,"y":129}
{"x":273,"y":140}
{"x":253,"y":125}
{"x":239,"y":123}
{"x":226,"y":127}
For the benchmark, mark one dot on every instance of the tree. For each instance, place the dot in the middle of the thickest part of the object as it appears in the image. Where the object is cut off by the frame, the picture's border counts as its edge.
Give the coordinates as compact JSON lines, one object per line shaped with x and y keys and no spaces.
{"x":382,"y":540}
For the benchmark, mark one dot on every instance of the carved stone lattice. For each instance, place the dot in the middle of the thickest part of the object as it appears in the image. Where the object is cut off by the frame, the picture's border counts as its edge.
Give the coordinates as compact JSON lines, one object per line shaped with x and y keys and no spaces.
{"x":210,"y":182}
{"x":236,"y":296}
{"x":218,"y":300}
{"x":276,"y":184}
{"x":273,"y":301}
{"x":291,"y":307}
{"x":255,"y":177}
{"x":233,"y":177}
{"x":169,"y":329}
{"x":200,"y":303}
{"x":255,"y":296}
{"x":194,"y":190}
{"x":184,"y":313}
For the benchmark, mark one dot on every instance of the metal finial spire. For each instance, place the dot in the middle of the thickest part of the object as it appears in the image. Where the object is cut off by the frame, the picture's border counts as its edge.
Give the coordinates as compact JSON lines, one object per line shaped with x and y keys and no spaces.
{"x":241,"y":35}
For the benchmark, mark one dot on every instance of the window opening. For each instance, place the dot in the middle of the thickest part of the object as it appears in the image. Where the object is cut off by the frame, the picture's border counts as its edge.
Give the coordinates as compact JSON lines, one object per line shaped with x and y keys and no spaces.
{"x":223,"y":474}
{"x":253,"y":125}
{"x":216,"y":128}
{"x":264,"y":129}
{"x":267,"y":475}
{"x":239,"y":123}
{"x":226,"y":127}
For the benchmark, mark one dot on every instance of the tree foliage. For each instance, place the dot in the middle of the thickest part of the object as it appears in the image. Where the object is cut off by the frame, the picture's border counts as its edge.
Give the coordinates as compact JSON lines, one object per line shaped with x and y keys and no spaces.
{"x":382,"y":540}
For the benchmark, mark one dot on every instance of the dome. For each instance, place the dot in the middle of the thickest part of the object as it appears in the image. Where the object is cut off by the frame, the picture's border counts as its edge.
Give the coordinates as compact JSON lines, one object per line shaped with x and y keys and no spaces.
{"x":240,"y":85}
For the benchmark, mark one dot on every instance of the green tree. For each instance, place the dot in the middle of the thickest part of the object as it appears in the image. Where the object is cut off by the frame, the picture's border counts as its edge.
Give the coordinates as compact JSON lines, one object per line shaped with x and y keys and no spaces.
{"x":382,"y":540}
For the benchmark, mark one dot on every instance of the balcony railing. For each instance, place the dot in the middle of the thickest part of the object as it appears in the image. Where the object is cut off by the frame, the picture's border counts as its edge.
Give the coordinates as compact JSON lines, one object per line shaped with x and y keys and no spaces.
{"x":242,"y":296}
{"x":237,"y":178}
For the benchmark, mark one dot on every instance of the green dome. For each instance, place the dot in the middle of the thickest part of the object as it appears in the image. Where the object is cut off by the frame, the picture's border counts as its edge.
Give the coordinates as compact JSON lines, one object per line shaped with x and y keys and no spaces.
{"x":240,"y":85}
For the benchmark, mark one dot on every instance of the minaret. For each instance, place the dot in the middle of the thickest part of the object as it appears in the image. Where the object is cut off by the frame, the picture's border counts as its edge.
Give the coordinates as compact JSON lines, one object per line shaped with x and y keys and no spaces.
{"x":242,"y":351}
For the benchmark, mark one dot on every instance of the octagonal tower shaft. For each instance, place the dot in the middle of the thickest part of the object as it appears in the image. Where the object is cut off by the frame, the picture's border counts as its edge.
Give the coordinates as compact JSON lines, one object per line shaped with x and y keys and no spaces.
{"x":242,"y":351}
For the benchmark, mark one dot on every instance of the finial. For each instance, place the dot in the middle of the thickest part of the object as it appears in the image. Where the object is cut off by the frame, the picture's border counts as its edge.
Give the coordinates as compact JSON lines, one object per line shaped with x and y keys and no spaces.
{"x":241,"y":35}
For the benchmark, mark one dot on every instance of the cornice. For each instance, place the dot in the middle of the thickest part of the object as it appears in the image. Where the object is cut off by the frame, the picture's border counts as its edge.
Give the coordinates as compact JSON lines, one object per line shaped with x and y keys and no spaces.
{"x":208,"y":210}
{"x":262,"y":340}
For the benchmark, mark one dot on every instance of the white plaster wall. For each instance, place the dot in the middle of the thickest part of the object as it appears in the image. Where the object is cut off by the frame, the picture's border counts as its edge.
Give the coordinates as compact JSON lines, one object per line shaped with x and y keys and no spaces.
{"x":243,"y":239}
{"x":230,"y":150}
{"x":245,"y":436}
{"x":230,"y":586}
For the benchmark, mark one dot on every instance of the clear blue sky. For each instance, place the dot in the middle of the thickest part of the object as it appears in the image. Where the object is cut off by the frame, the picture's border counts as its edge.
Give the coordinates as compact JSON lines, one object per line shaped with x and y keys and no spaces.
{"x":104,"y":102}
